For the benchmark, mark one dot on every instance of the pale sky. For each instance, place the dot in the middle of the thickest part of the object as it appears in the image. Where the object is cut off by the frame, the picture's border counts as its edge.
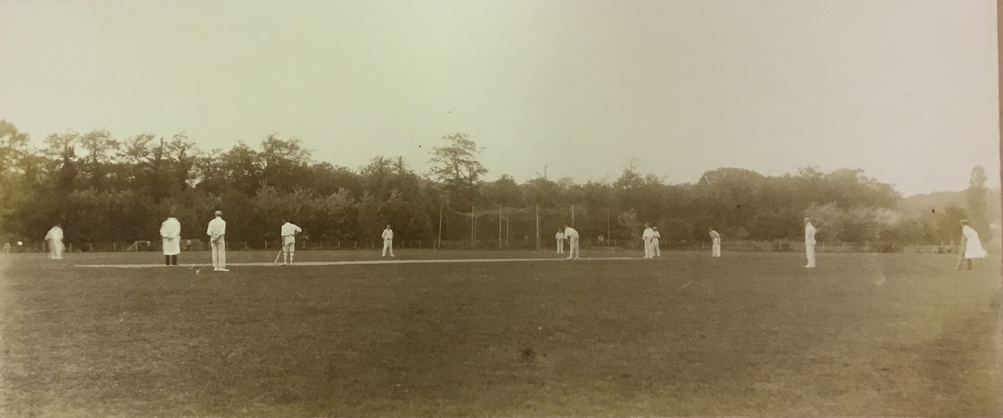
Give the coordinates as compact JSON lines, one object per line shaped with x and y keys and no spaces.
{"x":906,"y":90}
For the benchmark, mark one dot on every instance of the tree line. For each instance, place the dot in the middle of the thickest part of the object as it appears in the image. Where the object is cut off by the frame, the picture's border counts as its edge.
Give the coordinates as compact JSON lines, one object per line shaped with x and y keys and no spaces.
{"x":102,"y":188}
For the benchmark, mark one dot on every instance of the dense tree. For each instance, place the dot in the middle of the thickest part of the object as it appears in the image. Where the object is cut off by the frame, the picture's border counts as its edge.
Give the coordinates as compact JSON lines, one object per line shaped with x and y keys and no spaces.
{"x":104,"y":190}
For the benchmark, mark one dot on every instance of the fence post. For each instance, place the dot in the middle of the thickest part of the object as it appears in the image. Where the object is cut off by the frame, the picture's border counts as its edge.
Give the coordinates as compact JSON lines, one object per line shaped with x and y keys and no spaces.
{"x":114,"y":247}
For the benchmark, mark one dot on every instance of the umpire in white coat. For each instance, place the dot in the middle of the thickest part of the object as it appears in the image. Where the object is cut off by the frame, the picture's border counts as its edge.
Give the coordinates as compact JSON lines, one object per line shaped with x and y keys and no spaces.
{"x":170,"y":232}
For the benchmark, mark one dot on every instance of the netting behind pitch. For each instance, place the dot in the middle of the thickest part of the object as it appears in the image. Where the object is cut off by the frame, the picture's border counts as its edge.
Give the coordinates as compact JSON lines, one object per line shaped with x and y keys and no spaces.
{"x":518,"y":228}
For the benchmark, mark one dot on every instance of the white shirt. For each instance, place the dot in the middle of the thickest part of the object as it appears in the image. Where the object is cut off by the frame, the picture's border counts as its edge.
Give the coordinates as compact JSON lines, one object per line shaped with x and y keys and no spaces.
{"x":570,"y":232}
{"x":171,"y":228}
{"x":54,"y":234}
{"x":560,"y":235}
{"x":715,"y":236}
{"x":388,"y":234}
{"x":656,"y":235}
{"x":809,"y":234}
{"x":217,"y":227}
{"x":647,"y":234}
{"x":969,"y":233}
{"x":289,"y":229}
{"x":973,"y":248}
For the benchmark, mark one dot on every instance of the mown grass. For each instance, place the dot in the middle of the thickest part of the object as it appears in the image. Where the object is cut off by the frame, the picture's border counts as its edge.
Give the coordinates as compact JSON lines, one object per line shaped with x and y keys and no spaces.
{"x":747,"y":334}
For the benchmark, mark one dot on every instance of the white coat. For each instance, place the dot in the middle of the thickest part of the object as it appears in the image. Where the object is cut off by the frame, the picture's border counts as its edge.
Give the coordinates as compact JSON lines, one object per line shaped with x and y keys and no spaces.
{"x":170,"y":232}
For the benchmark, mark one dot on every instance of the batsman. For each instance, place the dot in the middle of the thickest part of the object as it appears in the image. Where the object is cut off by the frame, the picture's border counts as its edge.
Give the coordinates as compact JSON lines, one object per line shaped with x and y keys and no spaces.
{"x":289,"y":231}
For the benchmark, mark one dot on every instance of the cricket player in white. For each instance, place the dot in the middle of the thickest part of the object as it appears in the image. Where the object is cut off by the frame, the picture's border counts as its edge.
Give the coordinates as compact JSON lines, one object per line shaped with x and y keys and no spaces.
{"x":646,"y":237}
{"x":970,"y":244}
{"x":572,"y":237}
{"x":54,"y":238}
{"x":388,"y":241}
{"x":655,"y":235}
{"x":715,"y":248}
{"x":560,"y":241}
{"x":170,"y":232}
{"x":809,"y":242}
{"x":216,"y":232}
{"x":289,"y":231}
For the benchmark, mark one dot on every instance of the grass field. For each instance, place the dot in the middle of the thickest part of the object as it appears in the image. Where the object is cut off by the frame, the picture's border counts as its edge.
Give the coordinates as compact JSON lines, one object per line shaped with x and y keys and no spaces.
{"x":747,"y":334}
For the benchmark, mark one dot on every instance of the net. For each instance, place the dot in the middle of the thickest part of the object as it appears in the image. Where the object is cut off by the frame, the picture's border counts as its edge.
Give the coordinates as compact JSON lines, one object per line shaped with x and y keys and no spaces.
{"x":519,"y":228}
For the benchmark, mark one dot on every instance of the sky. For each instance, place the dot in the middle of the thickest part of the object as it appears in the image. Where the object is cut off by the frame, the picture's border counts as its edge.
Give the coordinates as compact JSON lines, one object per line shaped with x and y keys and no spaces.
{"x":905,"y":90}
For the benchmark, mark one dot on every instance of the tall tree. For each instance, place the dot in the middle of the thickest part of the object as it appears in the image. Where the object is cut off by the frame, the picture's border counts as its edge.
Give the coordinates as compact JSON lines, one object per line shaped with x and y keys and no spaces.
{"x":184,"y":155}
{"x":284,"y":162}
{"x":975,"y":196}
{"x":100,"y":149}
{"x":13,"y":146}
{"x":457,"y":168}
{"x":504,"y":191}
{"x":62,"y":148}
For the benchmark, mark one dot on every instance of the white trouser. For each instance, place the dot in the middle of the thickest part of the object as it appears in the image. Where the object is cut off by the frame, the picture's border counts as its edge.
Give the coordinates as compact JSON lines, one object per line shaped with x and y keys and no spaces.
{"x":647,"y":248}
{"x":288,"y":247}
{"x":574,"y":247}
{"x":56,"y":250}
{"x":715,"y":250}
{"x":218,"y":253}
{"x":388,"y":244}
{"x":655,"y":250}
{"x":560,"y":246}
{"x":809,"y":250}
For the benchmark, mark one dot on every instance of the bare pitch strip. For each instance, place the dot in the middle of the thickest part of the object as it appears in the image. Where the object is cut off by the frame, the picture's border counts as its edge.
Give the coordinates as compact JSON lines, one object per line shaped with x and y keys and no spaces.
{"x":360,"y":262}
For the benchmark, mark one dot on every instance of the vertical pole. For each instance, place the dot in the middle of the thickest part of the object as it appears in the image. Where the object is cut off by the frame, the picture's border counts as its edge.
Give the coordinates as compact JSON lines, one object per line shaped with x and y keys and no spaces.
{"x":499,"y":227}
{"x":572,"y":215}
{"x":538,"y":227}
{"x":473,"y":226}
{"x":507,"y":230}
{"x":439,"y":242}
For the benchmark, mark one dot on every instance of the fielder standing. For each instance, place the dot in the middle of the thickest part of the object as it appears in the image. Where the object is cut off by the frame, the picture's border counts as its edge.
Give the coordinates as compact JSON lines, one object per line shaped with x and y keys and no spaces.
{"x":216,"y":232}
{"x":54,"y":238}
{"x":572,"y":237}
{"x":809,"y":242}
{"x":560,"y":241}
{"x":971,"y":245}
{"x":646,"y":237}
{"x":388,"y":241}
{"x":170,"y":232}
{"x":655,"y":235}
{"x":715,"y":247}
{"x":289,"y":231}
